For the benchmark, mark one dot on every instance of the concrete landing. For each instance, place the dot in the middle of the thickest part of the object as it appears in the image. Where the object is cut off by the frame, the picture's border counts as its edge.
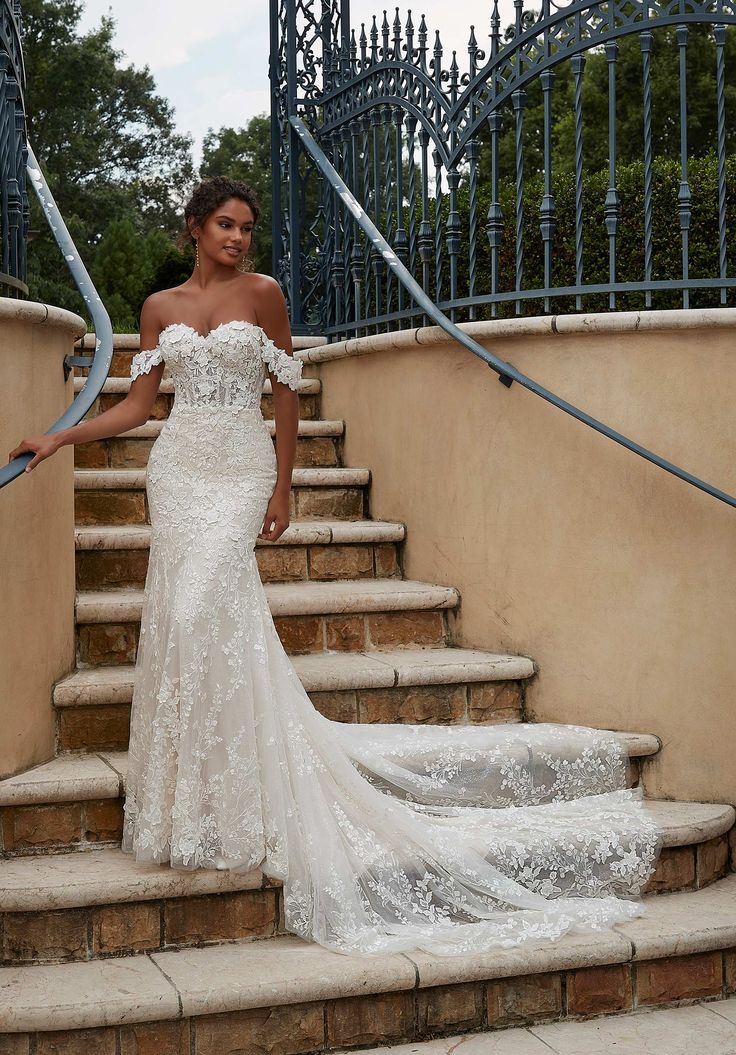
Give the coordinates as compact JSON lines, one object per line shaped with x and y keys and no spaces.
{"x":705,"y":1029}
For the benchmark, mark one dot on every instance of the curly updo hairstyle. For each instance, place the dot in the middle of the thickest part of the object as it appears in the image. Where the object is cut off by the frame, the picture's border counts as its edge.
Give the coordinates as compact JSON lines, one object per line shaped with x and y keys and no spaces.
{"x":208,"y":196}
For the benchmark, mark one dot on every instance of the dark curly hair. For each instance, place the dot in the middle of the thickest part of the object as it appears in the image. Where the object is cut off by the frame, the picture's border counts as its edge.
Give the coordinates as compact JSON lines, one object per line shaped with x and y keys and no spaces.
{"x":207,"y":196}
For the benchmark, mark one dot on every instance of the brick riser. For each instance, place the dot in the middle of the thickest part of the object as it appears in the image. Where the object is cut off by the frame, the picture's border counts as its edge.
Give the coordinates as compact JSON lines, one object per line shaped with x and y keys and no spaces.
{"x":61,"y":826}
{"x":126,"y":569}
{"x":106,"y":727}
{"x":110,"y":644}
{"x":406,"y":1016}
{"x":99,"y":931}
{"x":132,"y":453}
{"x":108,"y":507}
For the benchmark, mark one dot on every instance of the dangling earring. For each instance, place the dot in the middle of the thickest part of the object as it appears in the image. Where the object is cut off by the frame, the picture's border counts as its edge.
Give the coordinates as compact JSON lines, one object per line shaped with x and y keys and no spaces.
{"x":196,"y":253}
{"x":243,"y":264}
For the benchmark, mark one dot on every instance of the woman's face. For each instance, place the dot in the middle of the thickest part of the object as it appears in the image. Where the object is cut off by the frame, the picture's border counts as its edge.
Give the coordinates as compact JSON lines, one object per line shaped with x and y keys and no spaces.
{"x":227,"y":232}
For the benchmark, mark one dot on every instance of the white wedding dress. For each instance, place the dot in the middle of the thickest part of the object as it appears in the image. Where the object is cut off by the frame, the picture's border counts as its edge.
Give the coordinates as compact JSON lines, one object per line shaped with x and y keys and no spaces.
{"x":386,"y":838}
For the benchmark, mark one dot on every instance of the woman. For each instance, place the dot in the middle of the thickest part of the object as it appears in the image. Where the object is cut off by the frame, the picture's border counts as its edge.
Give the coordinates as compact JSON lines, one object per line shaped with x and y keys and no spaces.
{"x":386,"y":838}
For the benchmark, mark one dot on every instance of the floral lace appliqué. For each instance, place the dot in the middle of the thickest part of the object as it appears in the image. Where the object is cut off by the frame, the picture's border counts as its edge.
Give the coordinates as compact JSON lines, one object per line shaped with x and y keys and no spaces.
{"x":387,"y":837}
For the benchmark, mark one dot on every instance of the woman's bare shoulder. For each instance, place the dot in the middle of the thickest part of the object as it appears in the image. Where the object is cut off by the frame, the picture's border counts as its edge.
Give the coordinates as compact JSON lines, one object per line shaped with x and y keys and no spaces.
{"x":162,"y":297}
{"x":262,"y":288}
{"x":159,"y":305}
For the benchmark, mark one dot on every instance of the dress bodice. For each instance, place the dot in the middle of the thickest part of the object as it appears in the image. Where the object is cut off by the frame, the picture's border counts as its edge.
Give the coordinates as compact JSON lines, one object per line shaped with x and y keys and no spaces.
{"x":226,"y":367}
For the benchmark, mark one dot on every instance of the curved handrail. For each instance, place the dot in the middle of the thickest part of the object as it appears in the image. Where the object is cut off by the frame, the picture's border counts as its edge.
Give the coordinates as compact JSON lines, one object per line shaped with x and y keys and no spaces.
{"x":102,"y":358}
{"x":506,"y":371}
{"x":13,"y":283}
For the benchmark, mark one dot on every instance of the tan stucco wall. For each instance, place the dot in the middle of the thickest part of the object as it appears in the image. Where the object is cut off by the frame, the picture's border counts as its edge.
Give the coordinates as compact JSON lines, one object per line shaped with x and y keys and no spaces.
{"x":618,"y":579}
{"x":36,"y":532}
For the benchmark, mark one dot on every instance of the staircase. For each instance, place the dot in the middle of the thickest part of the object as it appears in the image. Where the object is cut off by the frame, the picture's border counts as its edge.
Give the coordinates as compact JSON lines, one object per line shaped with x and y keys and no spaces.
{"x":103,"y":955}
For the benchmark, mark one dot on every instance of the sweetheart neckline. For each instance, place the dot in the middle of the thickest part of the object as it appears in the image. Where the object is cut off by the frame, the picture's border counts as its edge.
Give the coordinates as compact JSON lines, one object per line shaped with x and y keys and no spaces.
{"x":205,"y":336}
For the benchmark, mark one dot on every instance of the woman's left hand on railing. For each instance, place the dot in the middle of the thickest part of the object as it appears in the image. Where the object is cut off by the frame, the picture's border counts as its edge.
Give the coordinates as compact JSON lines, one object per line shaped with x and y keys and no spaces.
{"x":41,"y":446}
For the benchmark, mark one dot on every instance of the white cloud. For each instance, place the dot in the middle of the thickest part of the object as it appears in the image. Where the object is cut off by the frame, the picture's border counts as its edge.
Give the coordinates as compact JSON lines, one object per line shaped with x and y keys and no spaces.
{"x":166,"y":33}
{"x":223,"y":103}
{"x":211,"y":60}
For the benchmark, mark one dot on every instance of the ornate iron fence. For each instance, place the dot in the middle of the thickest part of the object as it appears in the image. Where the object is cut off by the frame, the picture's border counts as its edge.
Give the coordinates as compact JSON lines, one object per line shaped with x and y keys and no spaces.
{"x":13,"y":153}
{"x":461,"y":170}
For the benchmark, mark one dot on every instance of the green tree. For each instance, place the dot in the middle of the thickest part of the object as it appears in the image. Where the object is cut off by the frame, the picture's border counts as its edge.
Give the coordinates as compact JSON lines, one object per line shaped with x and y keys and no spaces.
{"x":665,"y":92}
{"x":126,"y":267}
{"x":106,"y":143}
{"x":245,"y":154}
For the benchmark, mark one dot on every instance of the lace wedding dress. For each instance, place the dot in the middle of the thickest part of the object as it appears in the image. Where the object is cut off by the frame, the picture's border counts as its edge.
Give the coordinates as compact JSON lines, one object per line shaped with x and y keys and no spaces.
{"x":386,"y":837}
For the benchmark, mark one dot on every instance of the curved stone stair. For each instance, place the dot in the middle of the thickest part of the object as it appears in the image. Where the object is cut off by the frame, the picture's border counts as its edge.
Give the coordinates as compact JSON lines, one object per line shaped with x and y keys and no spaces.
{"x":114,"y":957}
{"x":283,"y":995}
{"x":69,"y":907}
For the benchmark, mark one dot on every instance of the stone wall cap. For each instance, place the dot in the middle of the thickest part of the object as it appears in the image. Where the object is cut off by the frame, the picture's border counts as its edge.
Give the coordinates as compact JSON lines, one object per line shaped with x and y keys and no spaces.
{"x":127,"y":342}
{"x":533,"y":326}
{"x":30,"y":311}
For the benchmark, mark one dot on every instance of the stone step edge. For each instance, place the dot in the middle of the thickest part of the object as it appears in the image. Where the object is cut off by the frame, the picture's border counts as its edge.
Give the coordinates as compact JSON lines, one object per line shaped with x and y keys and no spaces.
{"x":88,"y":776}
{"x":299,"y":533}
{"x":108,"y":876}
{"x":135,"y":479}
{"x":308,"y":386}
{"x":281,"y":971}
{"x":292,"y":599}
{"x":326,"y":672}
{"x":309,"y":428}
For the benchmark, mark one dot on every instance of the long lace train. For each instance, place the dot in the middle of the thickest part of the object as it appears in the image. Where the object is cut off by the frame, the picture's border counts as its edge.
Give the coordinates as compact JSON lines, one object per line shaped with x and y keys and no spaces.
{"x":386,"y":837}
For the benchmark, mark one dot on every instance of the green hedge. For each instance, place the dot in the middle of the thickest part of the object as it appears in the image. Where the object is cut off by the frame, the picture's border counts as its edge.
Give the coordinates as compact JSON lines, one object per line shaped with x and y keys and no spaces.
{"x":667,"y":258}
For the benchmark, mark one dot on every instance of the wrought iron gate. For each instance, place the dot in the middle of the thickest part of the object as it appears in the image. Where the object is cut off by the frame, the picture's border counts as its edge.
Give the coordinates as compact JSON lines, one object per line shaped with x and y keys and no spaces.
{"x":411,"y":135}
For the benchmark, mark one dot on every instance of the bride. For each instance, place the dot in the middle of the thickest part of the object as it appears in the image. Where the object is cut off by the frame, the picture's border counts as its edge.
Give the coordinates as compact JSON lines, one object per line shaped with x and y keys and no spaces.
{"x":386,"y":838}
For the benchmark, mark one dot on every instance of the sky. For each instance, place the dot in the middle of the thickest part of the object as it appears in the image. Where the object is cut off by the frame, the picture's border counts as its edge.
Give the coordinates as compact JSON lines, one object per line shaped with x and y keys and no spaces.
{"x":213,"y":68}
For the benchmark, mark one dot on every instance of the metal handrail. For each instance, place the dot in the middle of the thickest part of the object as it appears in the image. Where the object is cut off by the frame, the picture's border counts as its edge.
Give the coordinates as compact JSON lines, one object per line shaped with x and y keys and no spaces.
{"x":506,"y":371}
{"x":100,"y":361}
{"x":13,"y":283}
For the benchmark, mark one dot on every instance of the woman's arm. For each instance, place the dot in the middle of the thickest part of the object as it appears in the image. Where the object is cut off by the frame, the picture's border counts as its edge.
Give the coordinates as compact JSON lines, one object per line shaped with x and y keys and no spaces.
{"x":274,"y":318}
{"x":128,"y":414}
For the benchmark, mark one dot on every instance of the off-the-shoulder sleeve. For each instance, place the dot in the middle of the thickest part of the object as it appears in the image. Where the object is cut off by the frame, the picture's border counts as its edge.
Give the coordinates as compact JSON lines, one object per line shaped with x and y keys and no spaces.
{"x":142,"y":362}
{"x":283,"y":366}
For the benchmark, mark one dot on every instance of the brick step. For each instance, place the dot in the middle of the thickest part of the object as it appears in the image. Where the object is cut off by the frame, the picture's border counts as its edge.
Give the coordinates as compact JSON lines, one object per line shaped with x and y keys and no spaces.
{"x":117,"y":556}
{"x":318,"y":445}
{"x":75,"y":801}
{"x":347,"y":615}
{"x":66,"y":907}
{"x":118,"y":496}
{"x":284,"y":994}
{"x":441,"y":686}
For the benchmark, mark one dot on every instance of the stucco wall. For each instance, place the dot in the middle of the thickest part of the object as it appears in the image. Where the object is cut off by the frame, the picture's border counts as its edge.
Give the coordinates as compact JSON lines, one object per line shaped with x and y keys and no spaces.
{"x":36,"y":532}
{"x":618,"y":579}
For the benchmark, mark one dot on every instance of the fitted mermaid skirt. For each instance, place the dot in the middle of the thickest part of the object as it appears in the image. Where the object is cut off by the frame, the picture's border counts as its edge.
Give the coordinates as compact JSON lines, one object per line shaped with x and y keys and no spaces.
{"x":386,"y":838}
